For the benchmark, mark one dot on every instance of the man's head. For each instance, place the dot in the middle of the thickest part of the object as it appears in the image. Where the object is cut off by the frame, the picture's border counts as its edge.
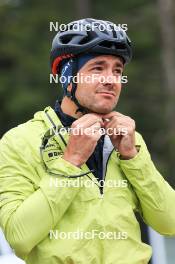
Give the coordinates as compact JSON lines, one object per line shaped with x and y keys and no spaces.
{"x":112,"y":49}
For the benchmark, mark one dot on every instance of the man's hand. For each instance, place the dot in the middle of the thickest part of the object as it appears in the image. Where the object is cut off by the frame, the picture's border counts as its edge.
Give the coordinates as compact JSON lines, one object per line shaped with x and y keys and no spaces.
{"x":123,"y":142}
{"x":83,"y":139}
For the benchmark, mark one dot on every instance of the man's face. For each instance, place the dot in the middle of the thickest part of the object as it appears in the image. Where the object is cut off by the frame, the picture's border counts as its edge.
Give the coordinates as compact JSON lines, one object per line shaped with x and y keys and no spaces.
{"x":101,"y":94}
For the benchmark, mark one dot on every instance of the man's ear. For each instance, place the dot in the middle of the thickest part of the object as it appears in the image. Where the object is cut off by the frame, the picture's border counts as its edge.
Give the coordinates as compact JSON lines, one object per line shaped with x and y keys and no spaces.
{"x":69,"y":87}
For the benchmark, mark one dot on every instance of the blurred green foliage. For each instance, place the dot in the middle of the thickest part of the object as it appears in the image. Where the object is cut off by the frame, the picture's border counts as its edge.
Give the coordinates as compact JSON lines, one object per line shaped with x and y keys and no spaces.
{"x":25,"y":42}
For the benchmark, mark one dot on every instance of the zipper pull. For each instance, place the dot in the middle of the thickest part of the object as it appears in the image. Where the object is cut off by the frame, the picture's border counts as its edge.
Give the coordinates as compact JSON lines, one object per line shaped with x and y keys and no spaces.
{"x":101,"y":193}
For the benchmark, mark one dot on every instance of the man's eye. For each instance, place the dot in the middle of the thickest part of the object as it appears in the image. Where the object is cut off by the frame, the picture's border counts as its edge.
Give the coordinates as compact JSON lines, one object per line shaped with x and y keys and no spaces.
{"x":97,"y":68}
{"x":118,"y":71}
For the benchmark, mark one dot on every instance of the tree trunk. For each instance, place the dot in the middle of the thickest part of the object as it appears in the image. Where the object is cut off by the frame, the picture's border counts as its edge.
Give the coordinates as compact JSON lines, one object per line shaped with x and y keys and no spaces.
{"x":83,"y":8}
{"x":167,"y":26}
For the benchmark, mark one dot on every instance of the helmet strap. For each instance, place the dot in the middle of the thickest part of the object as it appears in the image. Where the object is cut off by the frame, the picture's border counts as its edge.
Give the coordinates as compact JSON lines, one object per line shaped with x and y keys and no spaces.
{"x":71,"y":94}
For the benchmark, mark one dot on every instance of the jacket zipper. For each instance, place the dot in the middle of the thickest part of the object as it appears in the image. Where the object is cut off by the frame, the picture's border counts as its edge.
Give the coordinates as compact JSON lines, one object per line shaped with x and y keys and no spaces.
{"x":102,"y":188}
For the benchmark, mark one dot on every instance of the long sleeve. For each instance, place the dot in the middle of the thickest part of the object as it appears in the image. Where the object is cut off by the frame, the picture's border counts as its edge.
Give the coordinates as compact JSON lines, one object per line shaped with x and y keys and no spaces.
{"x":28,"y":211}
{"x":156,"y":197}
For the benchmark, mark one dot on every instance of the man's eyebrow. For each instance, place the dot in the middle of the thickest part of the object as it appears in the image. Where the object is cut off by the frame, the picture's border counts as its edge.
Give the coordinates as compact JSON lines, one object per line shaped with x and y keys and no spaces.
{"x":102,"y":62}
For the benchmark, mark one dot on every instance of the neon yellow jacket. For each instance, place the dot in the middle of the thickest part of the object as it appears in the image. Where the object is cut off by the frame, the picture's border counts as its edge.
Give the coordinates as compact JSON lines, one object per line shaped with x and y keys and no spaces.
{"x":34,"y":211}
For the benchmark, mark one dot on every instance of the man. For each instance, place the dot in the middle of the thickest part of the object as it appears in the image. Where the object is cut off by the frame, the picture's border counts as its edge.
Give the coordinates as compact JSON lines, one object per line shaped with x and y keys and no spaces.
{"x":71,"y":197}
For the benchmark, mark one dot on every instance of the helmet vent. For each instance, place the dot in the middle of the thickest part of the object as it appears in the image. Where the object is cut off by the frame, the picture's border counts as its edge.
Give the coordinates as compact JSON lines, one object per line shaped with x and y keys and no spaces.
{"x":111,"y":45}
{"x":66,"y":39}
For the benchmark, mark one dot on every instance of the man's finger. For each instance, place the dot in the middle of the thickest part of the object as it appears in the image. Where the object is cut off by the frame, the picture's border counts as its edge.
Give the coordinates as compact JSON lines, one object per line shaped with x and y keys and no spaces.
{"x":88,"y":120}
{"x":112,"y":114}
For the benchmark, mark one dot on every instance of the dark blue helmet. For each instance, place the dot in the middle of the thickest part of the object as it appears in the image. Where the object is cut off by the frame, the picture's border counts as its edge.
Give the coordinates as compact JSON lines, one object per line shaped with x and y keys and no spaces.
{"x":89,"y":36}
